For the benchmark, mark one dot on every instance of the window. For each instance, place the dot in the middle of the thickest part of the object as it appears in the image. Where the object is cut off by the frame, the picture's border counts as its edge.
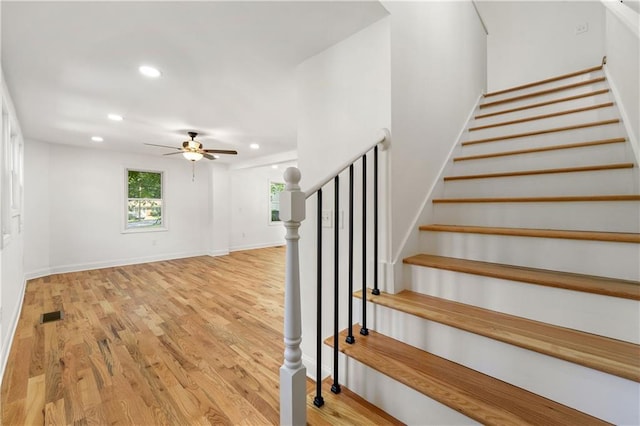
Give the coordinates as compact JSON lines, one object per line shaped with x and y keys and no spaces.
{"x":145,"y":206}
{"x":275,"y":188}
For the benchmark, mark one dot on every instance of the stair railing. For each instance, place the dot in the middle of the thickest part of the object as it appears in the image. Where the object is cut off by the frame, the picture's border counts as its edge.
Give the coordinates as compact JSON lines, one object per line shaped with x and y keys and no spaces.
{"x":292,"y":213}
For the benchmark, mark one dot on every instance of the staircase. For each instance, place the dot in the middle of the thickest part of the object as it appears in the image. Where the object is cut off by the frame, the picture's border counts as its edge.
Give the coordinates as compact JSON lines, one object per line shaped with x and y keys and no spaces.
{"x":524,"y":305}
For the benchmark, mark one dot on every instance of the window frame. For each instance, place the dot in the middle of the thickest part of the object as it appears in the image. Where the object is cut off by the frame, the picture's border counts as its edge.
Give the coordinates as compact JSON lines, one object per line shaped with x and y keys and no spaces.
{"x":164,"y":217}
{"x":270,"y":201}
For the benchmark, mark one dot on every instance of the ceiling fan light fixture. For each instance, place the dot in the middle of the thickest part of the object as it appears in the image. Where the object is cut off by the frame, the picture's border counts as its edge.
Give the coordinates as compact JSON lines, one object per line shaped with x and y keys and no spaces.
{"x":192,"y":156}
{"x":193,"y":144}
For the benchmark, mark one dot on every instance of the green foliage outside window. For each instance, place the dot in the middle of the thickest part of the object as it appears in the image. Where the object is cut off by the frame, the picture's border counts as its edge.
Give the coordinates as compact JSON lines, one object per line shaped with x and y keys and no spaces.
{"x":275,"y":188}
{"x":144,"y":200}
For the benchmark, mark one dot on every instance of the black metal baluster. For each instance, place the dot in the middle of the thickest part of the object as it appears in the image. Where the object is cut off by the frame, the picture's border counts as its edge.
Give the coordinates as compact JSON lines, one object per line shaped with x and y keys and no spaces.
{"x":375,"y":290}
{"x":364,"y":330}
{"x":318,"y":401}
{"x":350,"y":339}
{"x":335,"y":387}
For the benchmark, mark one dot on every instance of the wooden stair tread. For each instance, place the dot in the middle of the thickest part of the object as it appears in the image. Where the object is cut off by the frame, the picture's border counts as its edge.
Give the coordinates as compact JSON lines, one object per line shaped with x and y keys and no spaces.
{"x":476,"y":395}
{"x":545,"y":103}
{"x":543,"y":171}
{"x":545,"y":81}
{"x":597,"y":352}
{"x":543,"y":92}
{"x":621,"y":237}
{"x":554,"y":199}
{"x":578,"y":282}
{"x":542,"y":116}
{"x":541,"y":149}
{"x":345,"y":408}
{"x":543,"y":132}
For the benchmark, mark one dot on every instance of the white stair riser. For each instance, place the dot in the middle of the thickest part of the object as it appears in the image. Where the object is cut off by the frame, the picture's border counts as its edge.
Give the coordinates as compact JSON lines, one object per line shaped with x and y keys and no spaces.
{"x":599,"y":258}
{"x":543,"y":124}
{"x":546,"y":109}
{"x":567,"y":81}
{"x":591,"y":313}
{"x":591,"y":391}
{"x":598,"y":154}
{"x":608,"y":131}
{"x":402,"y":402}
{"x":601,"y":182}
{"x":604,"y":216}
{"x":543,"y":98}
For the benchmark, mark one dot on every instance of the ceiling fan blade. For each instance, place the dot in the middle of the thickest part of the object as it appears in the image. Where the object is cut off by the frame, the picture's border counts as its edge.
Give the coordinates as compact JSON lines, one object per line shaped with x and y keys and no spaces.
{"x":173,"y":153}
{"x":208,"y":156}
{"x":221,"y":151}
{"x":163,"y":146}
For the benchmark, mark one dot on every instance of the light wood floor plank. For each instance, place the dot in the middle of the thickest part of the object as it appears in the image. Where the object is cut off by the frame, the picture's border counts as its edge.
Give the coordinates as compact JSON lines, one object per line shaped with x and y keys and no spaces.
{"x":182,"y":342}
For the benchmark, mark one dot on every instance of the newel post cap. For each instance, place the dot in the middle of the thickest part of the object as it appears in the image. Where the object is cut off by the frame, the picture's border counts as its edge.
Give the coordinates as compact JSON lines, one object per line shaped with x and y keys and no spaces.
{"x":292,"y":200}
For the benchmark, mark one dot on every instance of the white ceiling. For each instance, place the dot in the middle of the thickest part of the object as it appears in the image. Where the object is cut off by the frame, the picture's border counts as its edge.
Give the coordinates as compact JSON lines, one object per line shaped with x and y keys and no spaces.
{"x":228,"y":69}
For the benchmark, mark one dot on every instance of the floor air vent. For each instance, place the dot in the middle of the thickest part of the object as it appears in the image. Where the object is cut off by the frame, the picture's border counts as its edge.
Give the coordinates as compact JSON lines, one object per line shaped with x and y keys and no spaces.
{"x":51,"y":316}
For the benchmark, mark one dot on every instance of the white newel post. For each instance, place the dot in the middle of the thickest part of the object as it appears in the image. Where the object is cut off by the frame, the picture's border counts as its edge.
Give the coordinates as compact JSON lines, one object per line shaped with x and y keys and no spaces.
{"x":293,"y":407}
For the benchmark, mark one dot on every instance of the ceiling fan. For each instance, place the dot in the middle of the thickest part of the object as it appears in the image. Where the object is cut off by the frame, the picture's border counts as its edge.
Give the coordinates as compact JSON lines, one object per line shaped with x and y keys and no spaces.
{"x":192,"y":150}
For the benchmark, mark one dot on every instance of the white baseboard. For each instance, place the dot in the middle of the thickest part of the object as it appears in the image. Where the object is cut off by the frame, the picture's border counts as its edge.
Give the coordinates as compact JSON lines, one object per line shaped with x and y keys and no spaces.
{"x":8,"y":339}
{"x":256,"y":246}
{"x":214,"y":253}
{"x":632,"y":137}
{"x":38,"y":273}
{"x":111,"y":263}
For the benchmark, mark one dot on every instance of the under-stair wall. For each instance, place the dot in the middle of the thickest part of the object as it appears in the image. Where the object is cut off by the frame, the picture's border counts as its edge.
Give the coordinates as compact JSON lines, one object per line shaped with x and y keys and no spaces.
{"x":527,"y":277}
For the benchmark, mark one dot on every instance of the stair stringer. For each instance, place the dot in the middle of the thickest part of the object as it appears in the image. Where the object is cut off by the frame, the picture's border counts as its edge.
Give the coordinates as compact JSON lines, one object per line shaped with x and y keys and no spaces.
{"x":411,"y":242}
{"x":632,"y":134}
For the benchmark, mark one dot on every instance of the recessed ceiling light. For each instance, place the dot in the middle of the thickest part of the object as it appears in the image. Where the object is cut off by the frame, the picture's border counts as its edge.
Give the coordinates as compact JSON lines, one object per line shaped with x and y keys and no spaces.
{"x":254,"y":146}
{"x":96,"y":139}
{"x":115,"y":117}
{"x":149,"y":71}
{"x":216,"y":156}
{"x":275,"y":166}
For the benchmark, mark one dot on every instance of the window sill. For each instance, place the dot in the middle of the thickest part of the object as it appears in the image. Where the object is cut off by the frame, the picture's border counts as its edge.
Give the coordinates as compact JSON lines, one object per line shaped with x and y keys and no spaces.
{"x":143,"y":230}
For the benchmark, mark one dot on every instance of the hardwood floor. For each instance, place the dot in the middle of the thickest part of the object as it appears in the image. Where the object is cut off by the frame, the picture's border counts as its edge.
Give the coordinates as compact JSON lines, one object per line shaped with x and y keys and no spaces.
{"x":181,"y":342}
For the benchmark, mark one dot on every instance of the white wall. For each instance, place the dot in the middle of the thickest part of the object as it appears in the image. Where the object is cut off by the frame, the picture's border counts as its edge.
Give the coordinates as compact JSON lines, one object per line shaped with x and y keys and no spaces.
{"x":533,"y":40}
{"x":12,"y":282}
{"x":623,"y":69}
{"x":220,"y":209}
{"x":344,"y":99}
{"x":37,"y":210}
{"x":249,"y":203}
{"x":438,"y":70}
{"x":84,"y":199}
